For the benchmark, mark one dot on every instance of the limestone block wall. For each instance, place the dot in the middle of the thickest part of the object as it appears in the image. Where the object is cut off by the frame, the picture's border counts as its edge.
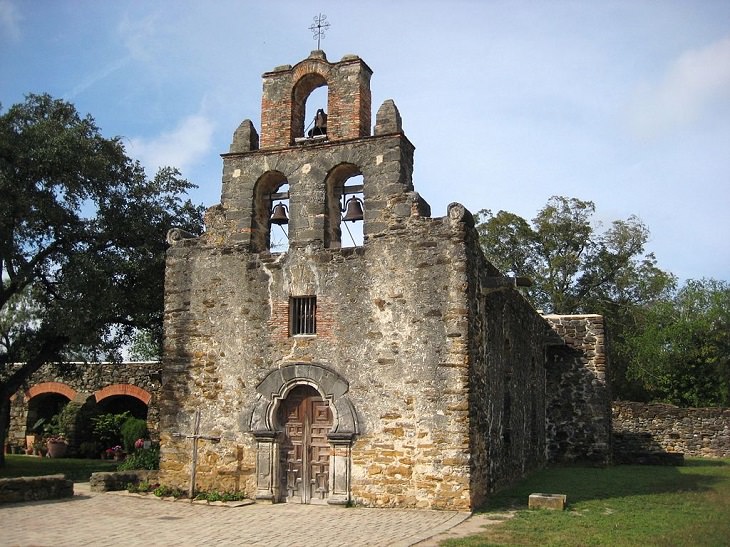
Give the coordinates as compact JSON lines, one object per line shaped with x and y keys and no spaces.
{"x":578,"y":395}
{"x":699,"y":432}
{"x":391,"y":322}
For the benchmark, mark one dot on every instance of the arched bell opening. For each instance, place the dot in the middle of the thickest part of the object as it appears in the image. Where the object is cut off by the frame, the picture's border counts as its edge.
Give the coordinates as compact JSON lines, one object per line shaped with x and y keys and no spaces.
{"x":344,"y":221}
{"x":310,"y":106}
{"x":270,"y":219}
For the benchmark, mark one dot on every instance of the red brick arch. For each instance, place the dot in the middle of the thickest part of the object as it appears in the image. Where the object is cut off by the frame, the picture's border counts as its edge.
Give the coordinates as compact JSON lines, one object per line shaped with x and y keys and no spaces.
{"x":123,"y":389}
{"x":51,"y":387}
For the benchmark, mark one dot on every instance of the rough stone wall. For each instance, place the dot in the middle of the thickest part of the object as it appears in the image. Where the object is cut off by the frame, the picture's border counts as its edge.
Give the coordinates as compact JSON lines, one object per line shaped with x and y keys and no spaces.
{"x":578,"y":395}
{"x":86,"y":379}
{"x":23,"y":489}
{"x":396,"y":332}
{"x":506,"y":376}
{"x":386,"y":164}
{"x":699,"y":432}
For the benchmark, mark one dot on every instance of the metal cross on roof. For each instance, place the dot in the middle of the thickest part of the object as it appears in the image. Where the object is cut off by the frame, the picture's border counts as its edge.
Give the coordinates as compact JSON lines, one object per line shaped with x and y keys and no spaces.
{"x":318,"y":27}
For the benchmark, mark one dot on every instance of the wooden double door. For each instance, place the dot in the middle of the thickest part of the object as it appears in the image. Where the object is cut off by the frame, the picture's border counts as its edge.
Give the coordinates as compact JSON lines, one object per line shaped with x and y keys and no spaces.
{"x":305,"y":451}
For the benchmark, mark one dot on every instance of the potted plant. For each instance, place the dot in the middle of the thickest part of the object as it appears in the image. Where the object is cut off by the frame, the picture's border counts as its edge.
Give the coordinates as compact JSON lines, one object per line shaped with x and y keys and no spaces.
{"x":56,"y":445}
{"x":55,"y":439}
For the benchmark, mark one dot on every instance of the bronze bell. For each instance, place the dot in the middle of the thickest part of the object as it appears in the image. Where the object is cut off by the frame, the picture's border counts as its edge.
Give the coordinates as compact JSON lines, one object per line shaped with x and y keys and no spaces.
{"x":278,"y":215}
{"x":353,"y":210}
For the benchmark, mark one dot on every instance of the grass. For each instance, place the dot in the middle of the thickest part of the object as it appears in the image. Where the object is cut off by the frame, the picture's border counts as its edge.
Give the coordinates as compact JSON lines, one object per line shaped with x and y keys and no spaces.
{"x":617,"y":506}
{"x":77,"y":470}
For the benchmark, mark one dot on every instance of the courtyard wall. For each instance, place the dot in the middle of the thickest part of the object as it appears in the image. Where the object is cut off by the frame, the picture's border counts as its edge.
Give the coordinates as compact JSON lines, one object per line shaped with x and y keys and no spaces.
{"x":647,"y":428}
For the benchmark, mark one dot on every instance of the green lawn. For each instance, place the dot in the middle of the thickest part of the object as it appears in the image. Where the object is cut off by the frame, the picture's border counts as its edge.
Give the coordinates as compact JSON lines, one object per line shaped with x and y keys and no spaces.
{"x":621,"y":505}
{"x":75,"y":469}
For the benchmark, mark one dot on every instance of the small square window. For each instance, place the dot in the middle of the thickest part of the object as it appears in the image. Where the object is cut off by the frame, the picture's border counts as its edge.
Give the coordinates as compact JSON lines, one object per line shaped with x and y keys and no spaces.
{"x":302,"y":315}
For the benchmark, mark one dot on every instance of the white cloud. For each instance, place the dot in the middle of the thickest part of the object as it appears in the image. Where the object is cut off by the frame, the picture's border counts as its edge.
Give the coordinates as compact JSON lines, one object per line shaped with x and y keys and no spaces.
{"x":139,"y":35}
{"x":182,"y":147}
{"x":10,"y":20}
{"x":695,"y":82}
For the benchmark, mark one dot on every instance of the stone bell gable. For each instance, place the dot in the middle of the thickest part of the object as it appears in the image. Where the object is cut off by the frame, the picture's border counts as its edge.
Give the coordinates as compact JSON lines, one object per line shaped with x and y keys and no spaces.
{"x":404,"y":371}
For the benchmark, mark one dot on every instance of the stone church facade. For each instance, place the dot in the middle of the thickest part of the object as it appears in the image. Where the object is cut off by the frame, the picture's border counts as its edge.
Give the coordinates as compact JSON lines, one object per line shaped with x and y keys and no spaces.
{"x":403,"y":372}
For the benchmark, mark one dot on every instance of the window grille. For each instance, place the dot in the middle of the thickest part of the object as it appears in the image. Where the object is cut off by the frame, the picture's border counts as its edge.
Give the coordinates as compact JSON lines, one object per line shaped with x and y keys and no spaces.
{"x":302,"y":315}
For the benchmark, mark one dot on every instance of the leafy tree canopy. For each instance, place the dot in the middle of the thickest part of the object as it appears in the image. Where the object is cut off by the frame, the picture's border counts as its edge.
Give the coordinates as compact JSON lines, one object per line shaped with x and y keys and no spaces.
{"x":575,"y":266}
{"x":681,"y":349}
{"x":665,"y":344}
{"x":82,"y":239}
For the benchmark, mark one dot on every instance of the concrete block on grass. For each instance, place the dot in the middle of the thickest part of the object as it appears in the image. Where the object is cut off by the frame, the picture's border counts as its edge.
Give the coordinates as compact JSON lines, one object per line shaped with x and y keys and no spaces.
{"x":547,"y":501}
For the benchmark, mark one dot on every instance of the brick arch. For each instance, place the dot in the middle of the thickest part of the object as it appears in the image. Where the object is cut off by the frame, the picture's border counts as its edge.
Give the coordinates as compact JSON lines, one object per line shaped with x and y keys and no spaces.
{"x":300,"y":93}
{"x":123,"y":389}
{"x":51,"y":387}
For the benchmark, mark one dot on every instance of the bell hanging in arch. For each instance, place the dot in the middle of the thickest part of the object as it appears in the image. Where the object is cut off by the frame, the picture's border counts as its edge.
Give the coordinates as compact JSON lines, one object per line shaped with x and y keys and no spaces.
{"x":278,"y":214}
{"x":353,"y":210}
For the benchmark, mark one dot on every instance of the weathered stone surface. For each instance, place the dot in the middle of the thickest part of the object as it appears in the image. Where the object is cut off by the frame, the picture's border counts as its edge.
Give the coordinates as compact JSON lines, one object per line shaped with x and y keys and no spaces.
{"x":35,"y":488}
{"x":431,"y":362}
{"x":578,"y":396}
{"x":547,"y":501}
{"x":107,"y":481}
{"x":640,"y":428}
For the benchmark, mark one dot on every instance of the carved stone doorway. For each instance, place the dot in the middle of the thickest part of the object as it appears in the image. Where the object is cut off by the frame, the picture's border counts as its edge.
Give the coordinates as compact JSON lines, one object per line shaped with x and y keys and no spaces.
{"x":306,"y":419}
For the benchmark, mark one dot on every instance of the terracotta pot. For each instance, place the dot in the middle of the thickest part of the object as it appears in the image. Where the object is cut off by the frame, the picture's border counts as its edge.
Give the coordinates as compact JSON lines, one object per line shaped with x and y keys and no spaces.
{"x":56,"y":449}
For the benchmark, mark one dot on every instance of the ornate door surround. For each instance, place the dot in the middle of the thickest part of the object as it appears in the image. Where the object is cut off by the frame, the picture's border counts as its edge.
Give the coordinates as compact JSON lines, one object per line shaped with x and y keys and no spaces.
{"x":329,"y":389}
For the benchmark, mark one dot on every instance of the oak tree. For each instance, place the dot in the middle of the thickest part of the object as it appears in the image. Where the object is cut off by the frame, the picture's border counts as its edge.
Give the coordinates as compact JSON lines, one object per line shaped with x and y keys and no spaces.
{"x":82,"y":240}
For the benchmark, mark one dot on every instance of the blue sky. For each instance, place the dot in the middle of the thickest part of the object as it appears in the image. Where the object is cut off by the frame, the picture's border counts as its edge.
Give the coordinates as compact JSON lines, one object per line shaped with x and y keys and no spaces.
{"x":626,"y":104}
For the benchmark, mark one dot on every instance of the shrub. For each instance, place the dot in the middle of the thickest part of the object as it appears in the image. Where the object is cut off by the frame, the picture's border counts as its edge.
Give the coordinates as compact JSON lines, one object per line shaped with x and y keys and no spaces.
{"x":108,"y":428}
{"x":142,"y":487}
{"x":221,"y":496}
{"x":168,"y":491}
{"x":132,"y":429}
{"x":145,"y":458}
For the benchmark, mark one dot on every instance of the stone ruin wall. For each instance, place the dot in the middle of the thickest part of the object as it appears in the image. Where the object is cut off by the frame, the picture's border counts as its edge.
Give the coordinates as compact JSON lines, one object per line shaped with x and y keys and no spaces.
{"x":696,"y":432}
{"x":507,"y":378}
{"x":578,"y":394}
{"x":391,"y":321}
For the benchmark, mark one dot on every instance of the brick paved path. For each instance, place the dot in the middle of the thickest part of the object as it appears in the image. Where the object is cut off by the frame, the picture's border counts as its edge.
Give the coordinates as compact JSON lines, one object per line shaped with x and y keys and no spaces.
{"x":111,"y":519}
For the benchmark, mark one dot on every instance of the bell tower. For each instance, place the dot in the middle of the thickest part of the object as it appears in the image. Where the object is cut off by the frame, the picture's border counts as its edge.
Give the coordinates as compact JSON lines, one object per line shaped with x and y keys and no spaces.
{"x":286,"y":90}
{"x":295,"y":173}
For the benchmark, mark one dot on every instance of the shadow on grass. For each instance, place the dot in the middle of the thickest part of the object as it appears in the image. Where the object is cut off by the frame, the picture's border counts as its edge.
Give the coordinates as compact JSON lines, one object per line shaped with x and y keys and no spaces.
{"x":706,"y":463}
{"x":590,"y":483}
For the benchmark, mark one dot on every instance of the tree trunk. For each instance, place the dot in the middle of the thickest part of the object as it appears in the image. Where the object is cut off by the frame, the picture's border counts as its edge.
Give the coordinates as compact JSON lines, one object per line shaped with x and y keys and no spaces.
{"x":4,"y":423}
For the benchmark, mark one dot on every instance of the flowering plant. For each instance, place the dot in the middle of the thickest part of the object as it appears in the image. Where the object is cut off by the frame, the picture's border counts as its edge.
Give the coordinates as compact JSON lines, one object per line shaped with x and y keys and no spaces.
{"x":56,"y":438}
{"x":114,"y":450}
{"x":139,"y":443}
